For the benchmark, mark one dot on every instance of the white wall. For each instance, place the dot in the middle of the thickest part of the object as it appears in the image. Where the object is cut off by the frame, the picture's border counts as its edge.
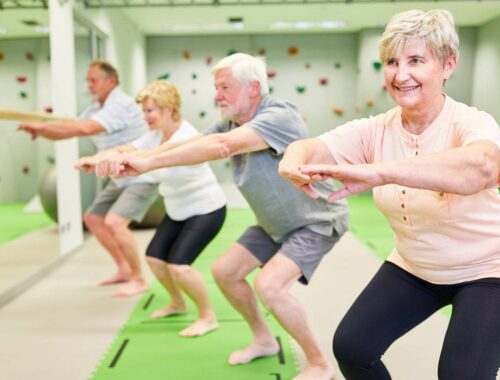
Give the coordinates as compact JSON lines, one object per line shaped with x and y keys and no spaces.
{"x":125,"y":46}
{"x":16,"y":149}
{"x":486,"y":85}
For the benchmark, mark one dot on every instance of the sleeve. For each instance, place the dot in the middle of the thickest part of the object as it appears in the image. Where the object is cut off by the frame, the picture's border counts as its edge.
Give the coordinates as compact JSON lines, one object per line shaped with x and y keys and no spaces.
{"x":220,"y":127}
{"x":146,"y":141}
{"x":279,"y":126}
{"x":479,"y":126}
{"x":353,"y":142}
{"x":117,"y":114}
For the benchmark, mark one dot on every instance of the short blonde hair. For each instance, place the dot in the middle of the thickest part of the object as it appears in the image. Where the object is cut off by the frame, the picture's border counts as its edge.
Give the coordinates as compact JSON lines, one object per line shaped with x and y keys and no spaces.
{"x":164,"y":94}
{"x":436,"y":27}
{"x":245,"y":69}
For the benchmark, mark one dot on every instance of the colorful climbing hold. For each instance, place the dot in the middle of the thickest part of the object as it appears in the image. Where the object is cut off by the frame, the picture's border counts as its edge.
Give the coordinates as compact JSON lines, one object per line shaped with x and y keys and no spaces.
{"x":377,"y":65}
{"x":300,"y":89}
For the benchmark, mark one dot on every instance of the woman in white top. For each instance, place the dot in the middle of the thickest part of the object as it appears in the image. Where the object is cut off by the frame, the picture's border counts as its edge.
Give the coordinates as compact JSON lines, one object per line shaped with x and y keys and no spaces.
{"x":194,"y":202}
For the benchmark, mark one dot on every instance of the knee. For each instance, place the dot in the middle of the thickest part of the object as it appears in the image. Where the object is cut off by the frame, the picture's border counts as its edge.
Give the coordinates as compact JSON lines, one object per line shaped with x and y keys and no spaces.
{"x":268,"y":290}
{"x":350,"y":351}
{"x":92,"y":220}
{"x":154,"y":263}
{"x":115,"y":224}
{"x":179,"y":271}
{"x":222,"y":271}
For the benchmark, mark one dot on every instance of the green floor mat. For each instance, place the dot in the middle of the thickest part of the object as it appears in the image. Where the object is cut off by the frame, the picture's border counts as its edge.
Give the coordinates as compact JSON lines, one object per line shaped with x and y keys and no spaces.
{"x":15,"y":222}
{"x":152,"y":349}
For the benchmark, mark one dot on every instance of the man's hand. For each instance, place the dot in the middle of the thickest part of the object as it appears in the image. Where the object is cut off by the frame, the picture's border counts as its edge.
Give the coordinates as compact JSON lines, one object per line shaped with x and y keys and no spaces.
{"x":355,"y":178}
{"x":33,"y":129}
{"x":297,"y":178}
{"x":122,"y":165}
{"x":90,"y":162}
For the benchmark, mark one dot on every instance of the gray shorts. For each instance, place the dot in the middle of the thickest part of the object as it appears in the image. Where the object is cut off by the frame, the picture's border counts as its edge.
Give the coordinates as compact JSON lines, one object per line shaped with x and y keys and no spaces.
{"x":303,"y":246}
{"x":130,"y":202}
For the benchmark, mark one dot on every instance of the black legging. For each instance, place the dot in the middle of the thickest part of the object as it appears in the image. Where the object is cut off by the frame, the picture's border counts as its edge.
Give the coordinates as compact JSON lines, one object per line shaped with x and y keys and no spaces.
{"x":180,"y":242}
{"x":395,"y":301}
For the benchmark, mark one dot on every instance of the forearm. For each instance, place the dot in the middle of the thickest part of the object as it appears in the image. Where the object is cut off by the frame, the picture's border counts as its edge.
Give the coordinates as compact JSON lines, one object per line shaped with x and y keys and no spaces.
{"x":166,"y":146}
{"x":192,"y":152}
{"x":308,"y":151}
{"x":463,"y":171}
{"x":126,"y":148}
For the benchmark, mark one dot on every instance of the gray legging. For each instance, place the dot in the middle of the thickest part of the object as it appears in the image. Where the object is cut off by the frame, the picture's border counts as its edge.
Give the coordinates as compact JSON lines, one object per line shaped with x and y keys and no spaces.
{"x":395,"y":301}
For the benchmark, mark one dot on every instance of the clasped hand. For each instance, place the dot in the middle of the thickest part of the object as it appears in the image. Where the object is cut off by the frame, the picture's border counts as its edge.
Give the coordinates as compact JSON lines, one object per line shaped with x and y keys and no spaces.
{"x":355,"y":178}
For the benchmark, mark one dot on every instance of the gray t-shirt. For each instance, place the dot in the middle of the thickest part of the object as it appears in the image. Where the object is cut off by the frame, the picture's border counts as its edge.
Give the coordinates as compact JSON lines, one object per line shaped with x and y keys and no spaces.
{"x":280,"y":208}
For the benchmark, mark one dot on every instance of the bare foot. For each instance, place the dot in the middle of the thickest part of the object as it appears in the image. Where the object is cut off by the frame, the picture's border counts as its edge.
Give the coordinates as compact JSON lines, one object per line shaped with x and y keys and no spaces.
{"x":200,"y":327}
{"x":131,"y":288}
{"x":168,"y":311}
{"x":254,"y":351}
{"x":323,"y":371}
{"x":117,"y":278}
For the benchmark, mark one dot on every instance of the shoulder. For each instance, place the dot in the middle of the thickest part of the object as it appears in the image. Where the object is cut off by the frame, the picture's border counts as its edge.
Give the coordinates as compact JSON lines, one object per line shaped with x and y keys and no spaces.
{"x":465,"y":114}
{"x":187,"y":129}
{"x":270,"y":106}
{"x":118,"y":97}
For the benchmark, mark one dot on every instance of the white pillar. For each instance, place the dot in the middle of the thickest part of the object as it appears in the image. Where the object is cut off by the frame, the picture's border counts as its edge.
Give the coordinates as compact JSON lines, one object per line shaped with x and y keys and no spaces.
{"x":62,"y":56}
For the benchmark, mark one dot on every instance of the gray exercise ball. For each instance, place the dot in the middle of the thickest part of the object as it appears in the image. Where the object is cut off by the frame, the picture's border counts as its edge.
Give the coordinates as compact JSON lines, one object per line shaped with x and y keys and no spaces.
{"x":153,"y":217}
{"x":47,"y":190}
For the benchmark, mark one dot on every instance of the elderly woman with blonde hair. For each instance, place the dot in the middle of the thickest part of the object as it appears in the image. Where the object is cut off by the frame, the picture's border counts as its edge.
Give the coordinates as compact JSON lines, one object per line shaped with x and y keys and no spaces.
{"x":434,"y":166}
{"x":194,"y":201}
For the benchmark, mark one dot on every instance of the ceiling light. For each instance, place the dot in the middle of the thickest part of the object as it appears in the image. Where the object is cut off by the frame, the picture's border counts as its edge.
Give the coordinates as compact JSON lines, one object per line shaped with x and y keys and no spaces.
{"x":42,"y":29}
{"x":281,"y":25}
{"x":331,"y":24}
{"x":326,"y":24}
{"x":304,"y":25}
{"x":203,"y":27}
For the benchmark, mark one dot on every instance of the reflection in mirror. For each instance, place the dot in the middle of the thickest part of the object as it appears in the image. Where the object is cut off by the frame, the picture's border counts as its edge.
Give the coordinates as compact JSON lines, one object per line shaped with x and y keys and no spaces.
{"x":29,"y":243}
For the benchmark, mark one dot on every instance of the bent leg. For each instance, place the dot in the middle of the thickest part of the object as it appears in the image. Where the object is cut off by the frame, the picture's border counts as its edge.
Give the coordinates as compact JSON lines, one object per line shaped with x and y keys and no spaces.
{"x":471,"y":349}
{"x":95,"y":224}
{"x":273,"y":285}
{"x":191,"y":282}
{"x":163,"y":274}
{"x":229,"y":272}
{"x":391,"y":304}
{"x":126,"y":241}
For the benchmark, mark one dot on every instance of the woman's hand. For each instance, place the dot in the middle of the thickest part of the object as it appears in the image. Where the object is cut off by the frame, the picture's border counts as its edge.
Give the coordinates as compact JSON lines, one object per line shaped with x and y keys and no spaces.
{"x":355,"y":178}
{"x":89,"y":163}
{"x":122,"y":165}
{"x":297,"y":178}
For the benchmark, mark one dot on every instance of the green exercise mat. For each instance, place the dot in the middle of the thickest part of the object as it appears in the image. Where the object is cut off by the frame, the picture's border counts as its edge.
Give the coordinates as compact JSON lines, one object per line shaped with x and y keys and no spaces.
{"x":152,"y":349}
{"x":15,"y":222}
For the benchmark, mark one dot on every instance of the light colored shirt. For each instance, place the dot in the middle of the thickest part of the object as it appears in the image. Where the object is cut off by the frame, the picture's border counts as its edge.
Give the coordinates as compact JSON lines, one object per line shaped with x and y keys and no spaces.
{"x":279,"y":207}
{"x":187,"y":190}
{"x":439,"y":237}
{"x":123,"y":121}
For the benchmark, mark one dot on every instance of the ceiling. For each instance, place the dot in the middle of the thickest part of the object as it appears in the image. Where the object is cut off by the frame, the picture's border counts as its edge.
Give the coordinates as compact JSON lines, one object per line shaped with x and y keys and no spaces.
{"x":201,"y":17}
